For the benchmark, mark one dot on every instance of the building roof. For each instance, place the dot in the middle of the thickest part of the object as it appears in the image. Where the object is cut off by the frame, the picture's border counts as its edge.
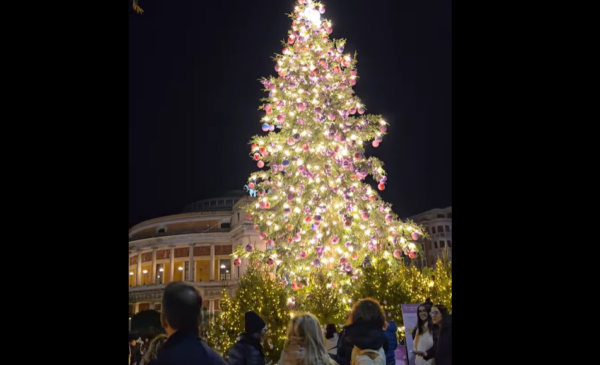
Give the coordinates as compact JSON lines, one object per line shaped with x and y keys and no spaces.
{"x":223,"y":202}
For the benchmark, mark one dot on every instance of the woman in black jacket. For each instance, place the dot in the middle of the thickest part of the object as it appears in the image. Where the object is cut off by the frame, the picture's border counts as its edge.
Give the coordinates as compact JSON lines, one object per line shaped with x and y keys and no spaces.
{"x":442,"y":336}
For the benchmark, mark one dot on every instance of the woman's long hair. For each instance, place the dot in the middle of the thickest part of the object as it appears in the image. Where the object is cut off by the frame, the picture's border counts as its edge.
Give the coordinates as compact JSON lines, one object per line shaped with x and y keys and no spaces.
{"x":305,"y":331}
{"x":421,"y":323}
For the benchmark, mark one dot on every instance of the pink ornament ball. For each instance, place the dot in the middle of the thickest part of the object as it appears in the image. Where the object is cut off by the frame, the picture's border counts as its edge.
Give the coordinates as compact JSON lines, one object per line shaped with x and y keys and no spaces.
{"x":256,"y":157}
{"x":291,"y":40}
{"x":300,"y":107}
{"x":270,"y":243}
{"x":335,"y":240}
{"x":280,"y":118}
{"x":415,"y":235}
{"x":397,"y":254}
{"x":331,"y":116}
{"x":352,"y":82}
{"x":322,"y":10}
{"x":260,"y":164}
{"x":375,"y":144}
{"x":237,"y":262}
{"x":412,"y":254}
{"x":381,"y":187}
{"x":270,"y":261}
{"x":361,"y":111}
{"x":302,"y":254}
{"x":388,"y":218}
{"x":352,"y":111}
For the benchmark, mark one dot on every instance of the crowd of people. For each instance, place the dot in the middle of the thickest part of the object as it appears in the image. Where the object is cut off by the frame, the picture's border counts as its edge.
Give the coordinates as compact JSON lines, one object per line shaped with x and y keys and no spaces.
{"x":367,"y":339}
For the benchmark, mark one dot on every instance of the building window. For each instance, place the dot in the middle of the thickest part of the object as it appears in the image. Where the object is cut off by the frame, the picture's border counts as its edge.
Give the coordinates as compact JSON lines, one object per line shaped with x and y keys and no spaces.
{"x":447,"y":228}
{"x":449,"y":215}
{"x":442,"y":244}
{"x":161,"y":230}
{"x":450,"y":244}
{"x":440,"y":229}
{"x":225,"y":225}
{"x":160,"y":277}
{"x":225,"y":269}
{"x":186,"y":273}
{"x":212,"y":203}
{"x":435,"y":244}
{"x":440,"y":216}
{"x":432,"y":229}
{"x":158,"y":307}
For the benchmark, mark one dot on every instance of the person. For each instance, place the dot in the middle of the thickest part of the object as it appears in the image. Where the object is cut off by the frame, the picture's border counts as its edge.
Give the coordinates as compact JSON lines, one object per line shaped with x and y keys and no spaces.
{"x":304,"y":343}
{"x":392,"y":342}
{"x":424,"y":315}
{"x":366,"y":333}
{"x":331,"y":340}
{"x":181,"y":319}
{"x":441,"y":350}
{"x":344,"y":345}
{"x":151,"y":352}
{"x":248,"y":349}
{"x":423,"y":339}
{"x":135,"y":354}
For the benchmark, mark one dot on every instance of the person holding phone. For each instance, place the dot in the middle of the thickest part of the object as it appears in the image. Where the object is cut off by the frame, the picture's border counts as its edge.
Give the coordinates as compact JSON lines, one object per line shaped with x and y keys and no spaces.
{"x":441,"y":350}
{"x":423,"y":340}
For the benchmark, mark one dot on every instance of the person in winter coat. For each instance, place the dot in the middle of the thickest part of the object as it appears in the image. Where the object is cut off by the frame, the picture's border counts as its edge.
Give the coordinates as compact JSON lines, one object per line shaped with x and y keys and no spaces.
{"x":392,"y":342}
{"x":331,"y":340}
{"x":366,"y":333}
{"x":441,"y":350}
{"x":248,"y":349}
{"x":304,"y":343}
{"x":344,"y":345}
{"x":180,"y":317}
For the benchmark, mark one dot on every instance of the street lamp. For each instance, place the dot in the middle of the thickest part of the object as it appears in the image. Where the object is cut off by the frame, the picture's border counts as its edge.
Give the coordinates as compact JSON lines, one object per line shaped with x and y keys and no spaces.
{"x":145,"y":272}
{"x":180,"y":269}
{"x":130,"y":278}
{"x":222,"y":269}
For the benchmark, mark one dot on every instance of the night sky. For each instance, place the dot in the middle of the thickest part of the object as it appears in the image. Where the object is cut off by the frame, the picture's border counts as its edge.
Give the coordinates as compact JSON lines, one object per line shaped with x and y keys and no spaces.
{"x":194,"y":95}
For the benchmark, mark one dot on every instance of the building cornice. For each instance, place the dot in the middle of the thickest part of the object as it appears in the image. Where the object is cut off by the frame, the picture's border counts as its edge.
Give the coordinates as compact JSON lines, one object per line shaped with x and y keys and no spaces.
{"x":178,"y":218}
{"x":181,"y":240}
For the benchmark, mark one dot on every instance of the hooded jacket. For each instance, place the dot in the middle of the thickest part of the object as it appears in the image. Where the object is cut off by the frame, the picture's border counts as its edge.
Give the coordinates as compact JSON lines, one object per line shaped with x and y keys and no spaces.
{"x":392,"y":342}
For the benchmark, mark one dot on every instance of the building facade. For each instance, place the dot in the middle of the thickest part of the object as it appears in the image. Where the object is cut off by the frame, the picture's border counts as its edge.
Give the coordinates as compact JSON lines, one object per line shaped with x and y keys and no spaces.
{"x":195,"y":246}
{"x":438,"y":223}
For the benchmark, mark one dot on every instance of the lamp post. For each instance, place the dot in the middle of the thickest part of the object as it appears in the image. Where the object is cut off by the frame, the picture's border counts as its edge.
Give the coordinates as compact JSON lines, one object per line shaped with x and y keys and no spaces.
{"x":130,"y":278}
{"x":145,"y":272}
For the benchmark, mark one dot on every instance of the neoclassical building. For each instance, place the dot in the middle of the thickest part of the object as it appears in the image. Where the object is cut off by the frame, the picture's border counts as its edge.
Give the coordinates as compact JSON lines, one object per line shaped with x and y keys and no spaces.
{"x":195,"y":246}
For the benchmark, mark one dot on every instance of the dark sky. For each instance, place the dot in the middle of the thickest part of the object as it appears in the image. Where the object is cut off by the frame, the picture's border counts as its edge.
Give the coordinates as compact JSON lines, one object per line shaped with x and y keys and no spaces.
{"x":194,"y":94}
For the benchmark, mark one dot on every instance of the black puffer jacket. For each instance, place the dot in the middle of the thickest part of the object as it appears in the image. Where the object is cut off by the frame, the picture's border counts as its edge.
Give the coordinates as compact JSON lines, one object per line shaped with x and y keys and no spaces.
{"x":246,"y":351}
{"x":362,"y":335}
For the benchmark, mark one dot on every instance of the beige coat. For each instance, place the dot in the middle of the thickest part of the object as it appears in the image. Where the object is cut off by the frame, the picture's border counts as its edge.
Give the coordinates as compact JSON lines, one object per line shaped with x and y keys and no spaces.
{"x":367,"y":357}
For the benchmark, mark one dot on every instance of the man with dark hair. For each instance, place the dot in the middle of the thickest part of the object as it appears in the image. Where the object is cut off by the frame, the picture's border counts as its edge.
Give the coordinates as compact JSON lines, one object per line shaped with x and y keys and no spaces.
{"x":248,"y":349}
{"x":181,"y":318}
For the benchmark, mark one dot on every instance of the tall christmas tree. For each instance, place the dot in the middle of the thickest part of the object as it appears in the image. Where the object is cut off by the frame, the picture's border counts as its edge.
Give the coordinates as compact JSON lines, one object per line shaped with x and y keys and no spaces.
{"x":314,"y":211}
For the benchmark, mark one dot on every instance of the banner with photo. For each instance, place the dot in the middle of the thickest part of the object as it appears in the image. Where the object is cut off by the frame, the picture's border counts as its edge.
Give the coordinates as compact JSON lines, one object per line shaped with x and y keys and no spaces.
{"x":409,"y":317}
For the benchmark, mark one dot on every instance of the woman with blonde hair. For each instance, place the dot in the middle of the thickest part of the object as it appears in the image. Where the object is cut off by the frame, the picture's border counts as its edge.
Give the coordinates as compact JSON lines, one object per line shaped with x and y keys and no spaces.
{"x":365,"y":332}
{"x":304,"y":343}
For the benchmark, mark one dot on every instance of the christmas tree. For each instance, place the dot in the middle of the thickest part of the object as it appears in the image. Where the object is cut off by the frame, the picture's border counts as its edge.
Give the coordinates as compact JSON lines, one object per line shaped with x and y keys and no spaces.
{"x":314,"y":211}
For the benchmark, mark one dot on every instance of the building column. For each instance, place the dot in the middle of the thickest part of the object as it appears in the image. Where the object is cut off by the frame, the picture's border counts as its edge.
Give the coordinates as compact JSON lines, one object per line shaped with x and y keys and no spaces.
{"x":233,"y":272}
{"x":212,"y":262}
{"x":151,"y":305}
{"x":191,"y":271}
{"x":136,"y":310}
{"x":172,"y":264}
{"x":153,"y":270}
{"x":211,"y":306}
{"x":138,"y":277}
